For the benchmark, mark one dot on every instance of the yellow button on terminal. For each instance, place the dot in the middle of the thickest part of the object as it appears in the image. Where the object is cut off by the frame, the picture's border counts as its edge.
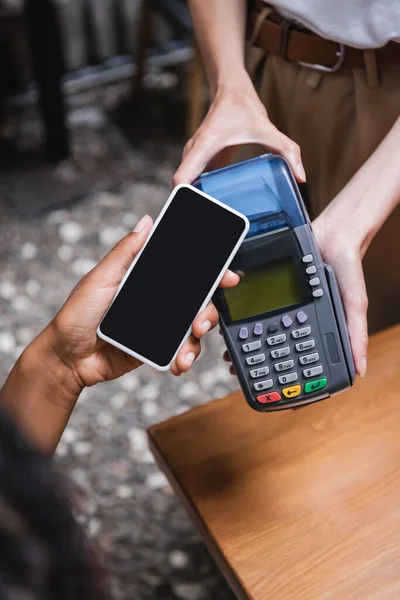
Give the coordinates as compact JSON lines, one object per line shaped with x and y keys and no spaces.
{"x":292,"y":391}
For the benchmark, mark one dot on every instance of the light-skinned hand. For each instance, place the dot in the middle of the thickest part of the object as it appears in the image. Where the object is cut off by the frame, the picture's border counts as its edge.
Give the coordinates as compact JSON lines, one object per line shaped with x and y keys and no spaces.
{"x":236,"y":116}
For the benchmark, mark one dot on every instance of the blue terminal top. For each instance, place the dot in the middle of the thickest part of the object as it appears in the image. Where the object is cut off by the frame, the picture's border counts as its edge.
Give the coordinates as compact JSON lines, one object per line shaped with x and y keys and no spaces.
{"x":261,"y":188}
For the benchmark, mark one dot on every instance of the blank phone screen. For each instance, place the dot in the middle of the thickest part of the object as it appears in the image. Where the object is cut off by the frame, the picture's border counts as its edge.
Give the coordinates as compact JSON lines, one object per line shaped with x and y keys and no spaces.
{"x":173,"y":276}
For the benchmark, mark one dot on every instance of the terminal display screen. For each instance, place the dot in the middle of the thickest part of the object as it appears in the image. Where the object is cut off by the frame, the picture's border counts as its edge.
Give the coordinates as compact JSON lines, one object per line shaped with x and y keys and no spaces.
{"x":264,"y":289}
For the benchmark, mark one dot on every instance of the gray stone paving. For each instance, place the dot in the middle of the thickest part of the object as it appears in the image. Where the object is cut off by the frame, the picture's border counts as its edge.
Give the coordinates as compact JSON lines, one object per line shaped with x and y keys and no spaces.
{"x":48,"y":240}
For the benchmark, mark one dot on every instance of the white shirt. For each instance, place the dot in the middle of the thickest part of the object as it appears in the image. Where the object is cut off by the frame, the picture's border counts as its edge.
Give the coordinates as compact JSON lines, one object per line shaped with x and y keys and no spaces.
{"x":357,"y":23}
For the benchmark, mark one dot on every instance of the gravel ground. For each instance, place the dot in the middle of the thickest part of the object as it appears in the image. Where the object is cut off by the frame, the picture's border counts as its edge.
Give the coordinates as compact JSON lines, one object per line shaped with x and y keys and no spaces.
{"x":55,"y":224}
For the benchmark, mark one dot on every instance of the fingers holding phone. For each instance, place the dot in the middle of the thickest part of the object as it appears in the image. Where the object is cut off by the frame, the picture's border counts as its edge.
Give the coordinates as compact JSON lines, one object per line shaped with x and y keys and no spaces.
{"x":152,"y":315}
{"x":72,"y":334}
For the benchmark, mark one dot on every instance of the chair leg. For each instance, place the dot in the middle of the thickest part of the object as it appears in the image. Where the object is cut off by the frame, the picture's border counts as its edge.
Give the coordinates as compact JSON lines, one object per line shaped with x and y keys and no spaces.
{"x":144,"y":39}
{"x":196,"y":93}
{"x":46,"y":49}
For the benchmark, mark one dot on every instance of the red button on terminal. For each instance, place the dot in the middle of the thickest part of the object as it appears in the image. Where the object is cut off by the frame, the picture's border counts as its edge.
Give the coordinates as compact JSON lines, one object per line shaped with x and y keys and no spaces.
{"x":271,"y":397}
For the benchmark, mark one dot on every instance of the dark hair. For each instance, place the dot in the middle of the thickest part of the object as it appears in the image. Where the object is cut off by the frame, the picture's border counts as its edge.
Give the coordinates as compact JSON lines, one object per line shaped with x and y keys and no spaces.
{"x":43,"y":552}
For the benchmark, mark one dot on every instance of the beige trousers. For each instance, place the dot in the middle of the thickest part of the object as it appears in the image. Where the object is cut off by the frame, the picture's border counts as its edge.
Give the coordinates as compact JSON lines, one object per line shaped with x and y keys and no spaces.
{"x":338,"y":121}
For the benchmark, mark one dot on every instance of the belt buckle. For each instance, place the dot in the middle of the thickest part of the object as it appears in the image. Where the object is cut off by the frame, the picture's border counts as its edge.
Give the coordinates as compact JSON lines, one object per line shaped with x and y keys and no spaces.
{"x":340,"y":55}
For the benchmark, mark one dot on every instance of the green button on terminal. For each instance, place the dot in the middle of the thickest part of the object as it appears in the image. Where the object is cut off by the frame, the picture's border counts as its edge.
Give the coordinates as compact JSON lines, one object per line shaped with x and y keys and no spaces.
{"x":313,"y":386}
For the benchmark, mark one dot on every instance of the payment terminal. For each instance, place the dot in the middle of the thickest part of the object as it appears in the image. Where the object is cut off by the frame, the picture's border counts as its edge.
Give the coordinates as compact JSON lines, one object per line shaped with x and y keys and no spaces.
{"x":284,"y":324}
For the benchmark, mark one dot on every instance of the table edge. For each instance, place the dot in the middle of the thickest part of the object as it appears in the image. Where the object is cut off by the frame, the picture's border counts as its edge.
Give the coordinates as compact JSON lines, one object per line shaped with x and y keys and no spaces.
{"x":212,"y":545}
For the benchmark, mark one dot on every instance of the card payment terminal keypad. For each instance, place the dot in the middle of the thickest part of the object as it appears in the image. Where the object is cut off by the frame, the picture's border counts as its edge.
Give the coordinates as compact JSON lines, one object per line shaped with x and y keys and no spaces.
{"x":290,"y":360}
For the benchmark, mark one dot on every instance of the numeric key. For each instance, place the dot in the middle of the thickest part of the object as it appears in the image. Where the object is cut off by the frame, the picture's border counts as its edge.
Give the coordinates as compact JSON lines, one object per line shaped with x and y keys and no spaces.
{"x":261,"y":372}
{"x":256,"y":359}
{"x":276,"y":339}
{"x":285,"y":365}
{"x":309,"y":358}
{"x":303,"y":332}
{"x":307,"y":345}
{"x":280,"y":352}
{"x":289,"y":378}
{"x":251,"y":346}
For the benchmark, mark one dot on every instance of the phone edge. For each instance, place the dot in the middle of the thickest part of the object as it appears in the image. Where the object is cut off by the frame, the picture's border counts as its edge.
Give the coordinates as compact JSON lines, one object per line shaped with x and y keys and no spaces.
{"x":123,"y":348}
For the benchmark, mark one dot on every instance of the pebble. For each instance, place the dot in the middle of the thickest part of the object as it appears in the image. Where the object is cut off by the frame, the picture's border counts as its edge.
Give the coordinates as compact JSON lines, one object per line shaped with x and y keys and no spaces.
{"x":187,"y":390}
{"x":81,"y":519}
{"x":124,"y":491}
{"x":219,"y":391}
{"x":28,"y":251}
{"x":137,"y":439}
{"x":105,"y":419}
{"x":70,"y":232}
{"x":221,"y":373}
{"x":178,"y":559}
{"x":188,"y":591}
{"x":150,"y":409}
{"x":156,"y":481}
{"x":111,"y":235}
{"x":151,"y":579}
{"x":20,"y":303}
{"x":105,"y":446}
{"x":61,"y":450}
{"x":94,"y":527}
{"x":66,"y":172}
{"x":7,"y":290}
{"x":65,"y":253}
{"x":129,"y":220}
{"x":88,"y":506}
{"x":207,"y":379}
{"x":95,"y":148}
{"x":105,"y":199}
{"x":32,"y":287}
{"x":79,"y":476}
{"x":57,"y":216}
{"x":118,"y":400}
{"x":84,"y":395}
{"x":70,"y":435}
{"x":18,"y":351}
{"x":182,"y":408}
{"x":7,"y":342}
{"x":147,"y":458}
{"x":90,"y":116}
{"x":149,"y":392}
{"x":82,"y":448}
{"x":130,"y":382}
{"x":24,"y":335}
{"x":82,"y":266}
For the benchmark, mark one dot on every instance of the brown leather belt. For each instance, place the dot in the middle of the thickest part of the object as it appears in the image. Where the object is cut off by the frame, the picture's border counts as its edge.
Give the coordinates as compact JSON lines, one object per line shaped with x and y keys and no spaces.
{"x":298,"y":44}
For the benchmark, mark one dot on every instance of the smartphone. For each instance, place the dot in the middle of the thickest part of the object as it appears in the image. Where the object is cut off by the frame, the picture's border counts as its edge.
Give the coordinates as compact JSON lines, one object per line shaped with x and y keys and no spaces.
{"x":173,"y":277}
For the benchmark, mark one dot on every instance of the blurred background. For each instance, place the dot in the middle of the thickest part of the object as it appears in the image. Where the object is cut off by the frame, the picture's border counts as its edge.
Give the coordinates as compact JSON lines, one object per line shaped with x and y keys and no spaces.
{"x":97,"y":98}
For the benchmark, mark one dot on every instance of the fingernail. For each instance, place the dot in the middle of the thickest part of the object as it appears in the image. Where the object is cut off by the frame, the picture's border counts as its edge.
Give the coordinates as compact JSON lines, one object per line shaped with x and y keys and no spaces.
{"x":190,"y":359}
{"x":206,"y":326}
{"x":141,"y":224}
{"x":301,"y":171}
{"x":236,"y":275}
{"x":363,"y":366}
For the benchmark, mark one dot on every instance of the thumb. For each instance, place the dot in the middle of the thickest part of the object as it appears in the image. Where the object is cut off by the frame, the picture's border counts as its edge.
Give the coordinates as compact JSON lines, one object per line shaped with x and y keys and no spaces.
{"x":111,"y":270}
{"x":279,"y":143}
{"x":352,"y":284}
{"x":201,"y":151}
{"x":223,"y":158}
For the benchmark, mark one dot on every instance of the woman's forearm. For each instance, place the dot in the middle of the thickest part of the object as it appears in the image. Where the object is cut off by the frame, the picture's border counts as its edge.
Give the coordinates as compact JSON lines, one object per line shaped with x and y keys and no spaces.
{"x":220,"y":32}
{"x":371,"y":195}
{"x":40,"y":394}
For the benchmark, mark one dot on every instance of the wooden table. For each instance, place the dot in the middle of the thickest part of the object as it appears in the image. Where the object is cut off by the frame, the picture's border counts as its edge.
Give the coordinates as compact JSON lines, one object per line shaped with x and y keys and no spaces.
{"x":299,"y":504}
